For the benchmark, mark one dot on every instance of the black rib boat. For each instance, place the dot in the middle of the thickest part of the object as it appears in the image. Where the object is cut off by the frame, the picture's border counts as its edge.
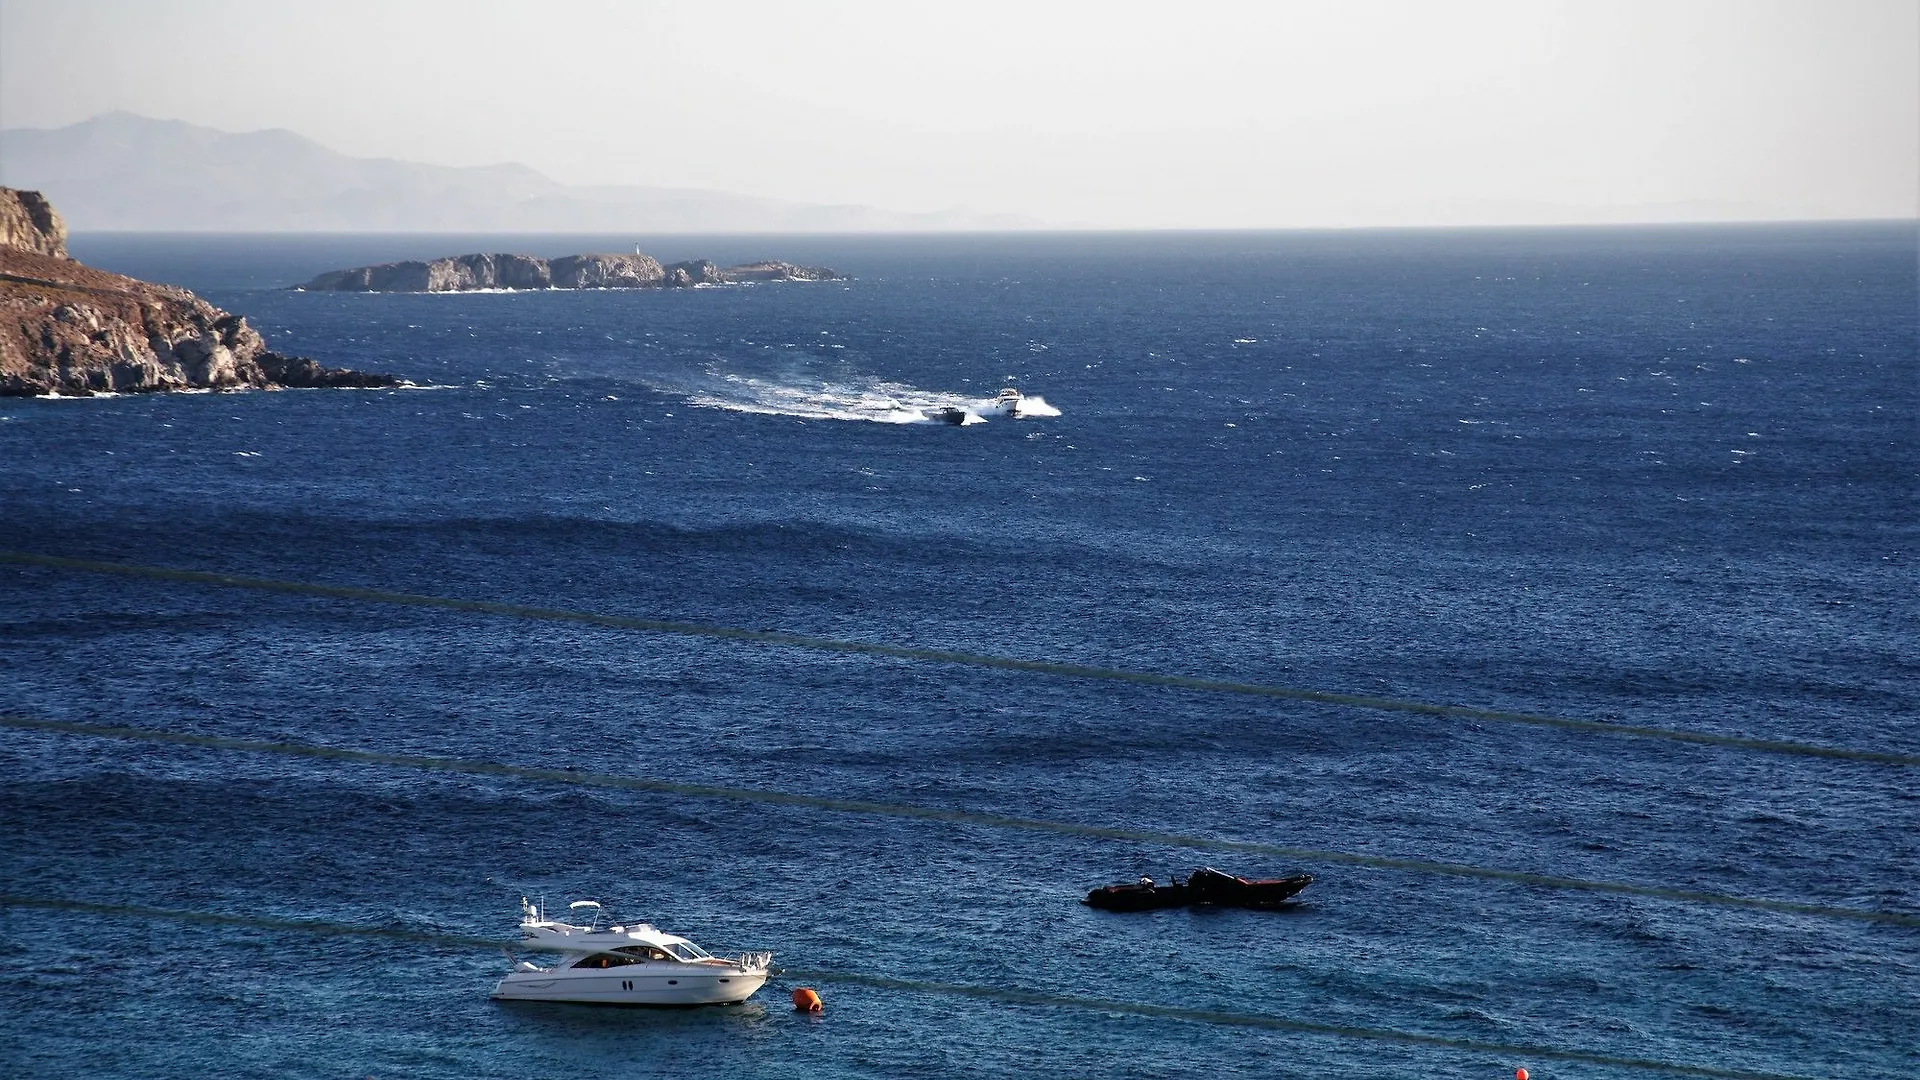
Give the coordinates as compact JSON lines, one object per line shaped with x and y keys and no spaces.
{"x":1144,"y":896}
{"x":1204,"y":886}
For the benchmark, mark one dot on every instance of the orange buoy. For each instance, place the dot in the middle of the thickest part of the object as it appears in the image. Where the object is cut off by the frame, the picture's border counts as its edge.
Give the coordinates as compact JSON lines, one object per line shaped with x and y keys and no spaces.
{"x":805,"y":1000}
{"x":1519,"y":1074}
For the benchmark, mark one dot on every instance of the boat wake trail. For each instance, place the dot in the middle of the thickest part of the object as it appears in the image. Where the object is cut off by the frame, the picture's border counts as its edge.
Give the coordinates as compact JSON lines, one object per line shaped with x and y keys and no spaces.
{"x":1035,"y":405}
{"x":848,"y":397}
{"x":871,"y":399}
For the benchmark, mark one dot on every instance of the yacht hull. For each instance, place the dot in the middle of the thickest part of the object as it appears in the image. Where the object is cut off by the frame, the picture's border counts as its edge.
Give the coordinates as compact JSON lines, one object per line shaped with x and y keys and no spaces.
{"x":629,"y":987}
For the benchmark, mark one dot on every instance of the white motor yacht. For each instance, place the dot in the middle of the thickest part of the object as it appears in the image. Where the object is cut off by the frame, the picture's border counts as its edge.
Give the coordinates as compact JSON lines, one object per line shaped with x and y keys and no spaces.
{"x":630,"y":964}
{"x":1015,"y":405}
{"x":1006,"y":403}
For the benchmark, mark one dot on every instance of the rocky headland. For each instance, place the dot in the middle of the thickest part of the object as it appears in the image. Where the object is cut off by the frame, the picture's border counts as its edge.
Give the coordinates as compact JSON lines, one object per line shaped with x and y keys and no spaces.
{"x":465,"y":273}
{"x":72,"y":330}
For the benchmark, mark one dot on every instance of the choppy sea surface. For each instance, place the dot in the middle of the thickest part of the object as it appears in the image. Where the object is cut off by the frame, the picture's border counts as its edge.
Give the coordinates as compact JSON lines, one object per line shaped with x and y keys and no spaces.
{"x":1650,"y":478}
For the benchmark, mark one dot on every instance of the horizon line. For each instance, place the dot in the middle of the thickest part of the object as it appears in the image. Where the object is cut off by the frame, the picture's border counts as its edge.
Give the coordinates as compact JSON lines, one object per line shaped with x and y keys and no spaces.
{"x":1063,"y":230}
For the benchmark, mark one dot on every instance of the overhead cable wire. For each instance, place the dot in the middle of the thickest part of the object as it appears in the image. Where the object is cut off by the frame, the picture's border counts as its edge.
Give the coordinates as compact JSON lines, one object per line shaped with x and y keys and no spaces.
{"x":946,"y":656}
{"x":934,"y":813}
{"x":1003,"y":995}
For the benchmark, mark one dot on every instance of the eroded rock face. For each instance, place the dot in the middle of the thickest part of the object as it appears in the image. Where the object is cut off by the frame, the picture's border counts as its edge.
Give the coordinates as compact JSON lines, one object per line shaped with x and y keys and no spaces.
{"x":28,"y":223}
{"x":72,"y":330}
{"x":486,"y":272}
{"x":458,"y":274}
{"x":779,"y":271}
{"x":606,"y":272}
{"x":695,"y":272}
{"x":499,"y":271}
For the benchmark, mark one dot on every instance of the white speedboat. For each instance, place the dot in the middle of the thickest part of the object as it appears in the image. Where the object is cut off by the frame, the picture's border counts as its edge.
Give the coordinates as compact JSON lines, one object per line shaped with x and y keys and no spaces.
{"x":1015,"y":405}
{"x":1007,"y":403}
{"x":630,"y":964}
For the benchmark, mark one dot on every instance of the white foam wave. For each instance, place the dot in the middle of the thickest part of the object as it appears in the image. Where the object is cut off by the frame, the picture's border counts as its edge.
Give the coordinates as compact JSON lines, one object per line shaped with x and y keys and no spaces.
{"x":802,"y":394}
{"x":868,"y":399}
{"x":1035,"y":405}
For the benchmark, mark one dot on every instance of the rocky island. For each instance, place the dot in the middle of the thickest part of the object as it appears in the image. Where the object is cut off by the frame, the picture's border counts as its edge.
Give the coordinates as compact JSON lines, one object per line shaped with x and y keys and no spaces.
{"x":71,"y":330}
{"x":465,"y":273}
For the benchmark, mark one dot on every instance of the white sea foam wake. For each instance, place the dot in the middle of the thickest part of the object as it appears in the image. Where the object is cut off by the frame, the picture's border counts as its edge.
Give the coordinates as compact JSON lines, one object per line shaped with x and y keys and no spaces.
{"x":854,"y":397}
{"x":1035,"y":405}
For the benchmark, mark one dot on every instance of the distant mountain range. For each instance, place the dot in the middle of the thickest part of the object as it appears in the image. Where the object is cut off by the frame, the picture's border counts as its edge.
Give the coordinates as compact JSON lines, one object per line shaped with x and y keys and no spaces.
{"x":120,"y":171}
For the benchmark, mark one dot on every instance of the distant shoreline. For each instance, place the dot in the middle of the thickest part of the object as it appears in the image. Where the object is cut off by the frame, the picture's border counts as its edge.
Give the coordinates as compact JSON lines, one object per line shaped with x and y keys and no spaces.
{"x":866,"y":235}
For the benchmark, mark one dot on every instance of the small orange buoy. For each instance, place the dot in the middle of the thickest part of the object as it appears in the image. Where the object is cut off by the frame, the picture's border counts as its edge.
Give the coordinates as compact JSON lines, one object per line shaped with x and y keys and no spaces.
{"x":1519,"y":1074}
{"x":805,"y":1000}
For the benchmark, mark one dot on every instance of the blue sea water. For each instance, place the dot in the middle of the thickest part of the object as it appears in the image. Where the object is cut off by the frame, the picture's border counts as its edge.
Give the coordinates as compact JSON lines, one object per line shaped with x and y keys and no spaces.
{"x":1653,"y":477}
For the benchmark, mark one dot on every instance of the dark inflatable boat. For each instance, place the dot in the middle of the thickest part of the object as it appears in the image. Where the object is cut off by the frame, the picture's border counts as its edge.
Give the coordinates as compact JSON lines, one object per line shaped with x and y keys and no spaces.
{"x":1144,"y":896}
{"x":1210,"y":886}
{"x":1204,"y":886}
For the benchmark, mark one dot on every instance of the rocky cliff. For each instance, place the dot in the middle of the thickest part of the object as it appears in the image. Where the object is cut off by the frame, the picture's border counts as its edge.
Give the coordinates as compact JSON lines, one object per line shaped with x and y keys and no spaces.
{"x":72,"y":330}
{"x":28,"y":223}
{"x":777,"y":271}
{"x":458,"y":273}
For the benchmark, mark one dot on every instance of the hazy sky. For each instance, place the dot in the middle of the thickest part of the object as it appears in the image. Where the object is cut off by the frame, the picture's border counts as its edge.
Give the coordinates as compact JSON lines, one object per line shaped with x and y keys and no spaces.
{"x":1162,"y":114}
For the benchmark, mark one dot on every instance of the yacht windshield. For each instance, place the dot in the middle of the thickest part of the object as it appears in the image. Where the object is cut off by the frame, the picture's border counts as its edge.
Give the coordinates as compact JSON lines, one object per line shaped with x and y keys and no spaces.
{"x":688,"y":951}
{"x":607,"y":960}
